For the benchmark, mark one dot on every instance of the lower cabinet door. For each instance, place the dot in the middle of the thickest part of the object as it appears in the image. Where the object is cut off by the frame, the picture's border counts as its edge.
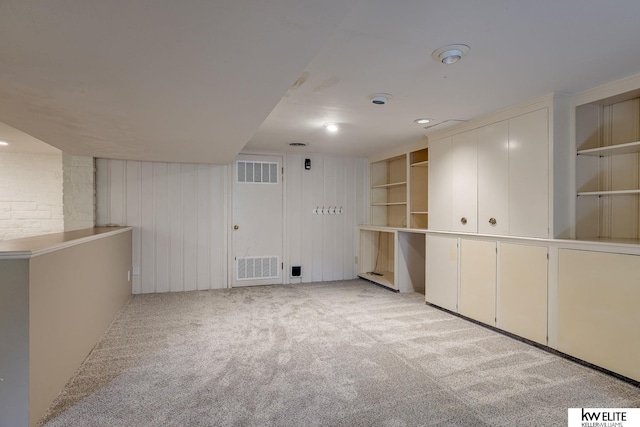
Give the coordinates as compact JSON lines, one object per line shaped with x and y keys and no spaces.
{"x":522,"y":291}
{"x":441,"y":287}
{"x":598,"y":316}
{"x":478,"y":280}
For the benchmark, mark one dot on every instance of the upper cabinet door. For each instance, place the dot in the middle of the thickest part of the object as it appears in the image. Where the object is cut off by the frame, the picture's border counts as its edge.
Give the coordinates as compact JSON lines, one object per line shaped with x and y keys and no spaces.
{"x":529,"y":174}
{"x":440,"y":184}
{"x":464,"y":205}
{"x":493,"y":178}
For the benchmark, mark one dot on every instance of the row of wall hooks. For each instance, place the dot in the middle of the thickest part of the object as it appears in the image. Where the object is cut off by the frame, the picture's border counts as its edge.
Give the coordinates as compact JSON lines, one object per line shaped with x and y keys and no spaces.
{"x":331,"y":210}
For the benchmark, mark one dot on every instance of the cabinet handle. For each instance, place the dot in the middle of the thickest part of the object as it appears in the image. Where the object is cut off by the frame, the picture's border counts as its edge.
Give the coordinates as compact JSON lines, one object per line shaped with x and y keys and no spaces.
{"x":463,"y":220}
{"x":492,"y":221}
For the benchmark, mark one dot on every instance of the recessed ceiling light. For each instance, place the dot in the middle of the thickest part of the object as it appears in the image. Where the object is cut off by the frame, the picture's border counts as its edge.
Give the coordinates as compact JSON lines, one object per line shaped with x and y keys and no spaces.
{"x":422,"y":121}
{"x":450,"y":54}
{"x":331,"y":127}
{"x":4,"y":143}
{"x":380,"y":98}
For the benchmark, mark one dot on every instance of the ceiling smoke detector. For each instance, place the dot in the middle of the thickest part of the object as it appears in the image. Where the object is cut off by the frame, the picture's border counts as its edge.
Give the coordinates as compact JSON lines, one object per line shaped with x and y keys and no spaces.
{"x":450,"y":54}
{"x":380,"y":98}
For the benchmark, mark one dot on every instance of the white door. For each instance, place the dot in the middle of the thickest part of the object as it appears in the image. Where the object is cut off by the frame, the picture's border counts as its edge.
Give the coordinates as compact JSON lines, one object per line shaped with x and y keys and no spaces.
{"x":257,"y":221}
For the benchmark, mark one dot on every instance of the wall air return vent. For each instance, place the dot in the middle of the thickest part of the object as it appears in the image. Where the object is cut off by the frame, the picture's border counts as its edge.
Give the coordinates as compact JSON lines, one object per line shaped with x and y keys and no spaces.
{"x":258,"y":268}
{"x":257,"y":172}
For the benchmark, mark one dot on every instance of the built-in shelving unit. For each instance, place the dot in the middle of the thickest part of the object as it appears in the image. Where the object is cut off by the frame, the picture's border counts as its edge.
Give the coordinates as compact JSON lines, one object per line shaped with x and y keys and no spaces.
{"x":419,"y":176}
{"x":608,"y":168}
{"x":389,"y":192}
{"x":399,"y":200}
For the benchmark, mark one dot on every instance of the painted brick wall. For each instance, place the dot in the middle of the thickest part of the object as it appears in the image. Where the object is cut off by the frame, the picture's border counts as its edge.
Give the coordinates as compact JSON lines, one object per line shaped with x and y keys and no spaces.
{"x":78,"y":192}
{"x":30,"y":194}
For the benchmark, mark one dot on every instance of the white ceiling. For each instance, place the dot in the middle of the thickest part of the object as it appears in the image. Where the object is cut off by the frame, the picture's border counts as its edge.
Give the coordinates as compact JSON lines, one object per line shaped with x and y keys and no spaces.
{"x":199,"y":81}
{"x":20,"y":142}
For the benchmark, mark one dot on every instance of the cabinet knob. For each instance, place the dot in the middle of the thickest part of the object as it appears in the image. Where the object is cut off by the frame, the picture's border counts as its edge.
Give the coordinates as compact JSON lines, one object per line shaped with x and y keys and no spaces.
{"x":492,"y":221}
{"x":235,"y":227}
{"x":463,"y":220}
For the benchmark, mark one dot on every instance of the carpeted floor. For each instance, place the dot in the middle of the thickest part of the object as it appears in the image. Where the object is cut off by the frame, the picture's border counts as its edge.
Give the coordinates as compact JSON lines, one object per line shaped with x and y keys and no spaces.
{"x":324,"y":354}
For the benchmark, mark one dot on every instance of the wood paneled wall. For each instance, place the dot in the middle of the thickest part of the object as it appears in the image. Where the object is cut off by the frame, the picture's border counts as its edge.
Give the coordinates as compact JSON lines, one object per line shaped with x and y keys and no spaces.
{"x":181,"y":214}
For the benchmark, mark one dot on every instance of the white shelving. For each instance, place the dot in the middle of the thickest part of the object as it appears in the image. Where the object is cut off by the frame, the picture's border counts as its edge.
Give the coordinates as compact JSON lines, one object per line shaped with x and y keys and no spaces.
{"x":391,"y":185}
{"x":422,"y":163}
{"x":607,"y":193}
{"x":608,"y":168}
{"x":612,"y":150}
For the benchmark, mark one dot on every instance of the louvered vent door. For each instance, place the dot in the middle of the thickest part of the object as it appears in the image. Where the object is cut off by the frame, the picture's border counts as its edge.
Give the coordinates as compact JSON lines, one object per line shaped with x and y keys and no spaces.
{"x":257,"y":221}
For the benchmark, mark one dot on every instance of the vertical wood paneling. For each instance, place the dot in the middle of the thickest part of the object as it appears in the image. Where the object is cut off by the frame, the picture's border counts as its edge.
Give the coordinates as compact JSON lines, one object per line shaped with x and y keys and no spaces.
{"x":218,"y":250}
{"x":180,"y":215}
{"x":190,"y":231}
{"x":317,"y":246}
{"x":305,"y":235}
{"x":203,"y":226}
{"x":341,"y":229}
{"x":133,"y":217}
{"x":147,"y":229}
{"x":175,"y":228}
{"x":161,"y":221}
{"x":329,"y":236}
{"x":298,"y":209}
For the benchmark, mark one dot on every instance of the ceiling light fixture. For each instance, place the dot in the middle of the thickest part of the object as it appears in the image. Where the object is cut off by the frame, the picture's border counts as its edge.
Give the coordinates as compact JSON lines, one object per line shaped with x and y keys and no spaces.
{"x":422,"y":121}
{"x":4,"y":143}
{"x":331,"y":127}
{"x":450,"y":54}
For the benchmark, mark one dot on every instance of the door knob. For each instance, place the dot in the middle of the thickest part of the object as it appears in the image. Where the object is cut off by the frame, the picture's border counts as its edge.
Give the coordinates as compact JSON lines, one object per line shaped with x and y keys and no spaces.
{"x":463,"y":220}
{"x":235,"y":227}
{"x":492,"y":221}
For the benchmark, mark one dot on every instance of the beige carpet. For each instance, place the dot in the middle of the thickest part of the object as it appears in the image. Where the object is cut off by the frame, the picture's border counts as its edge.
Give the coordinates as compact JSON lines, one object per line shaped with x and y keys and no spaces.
{"x":324,"y":354}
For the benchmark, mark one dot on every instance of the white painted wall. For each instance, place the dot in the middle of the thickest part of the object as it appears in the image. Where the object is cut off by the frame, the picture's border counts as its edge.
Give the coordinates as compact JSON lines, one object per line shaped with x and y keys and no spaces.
{"x":325,"y":246}
{"x":78,"y":191}
{"x":181,"y":217}
{"x":30,"y":194}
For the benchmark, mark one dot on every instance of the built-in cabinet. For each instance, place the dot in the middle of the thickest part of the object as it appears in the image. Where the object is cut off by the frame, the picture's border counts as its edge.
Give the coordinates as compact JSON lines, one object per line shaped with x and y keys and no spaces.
{"x":598,"y":316}
{"x":478,"y":280}
{"x":441,"y":287}
{"x":503,"y":207}
{"x":522,"y":292}
{"x":493,"y":179}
